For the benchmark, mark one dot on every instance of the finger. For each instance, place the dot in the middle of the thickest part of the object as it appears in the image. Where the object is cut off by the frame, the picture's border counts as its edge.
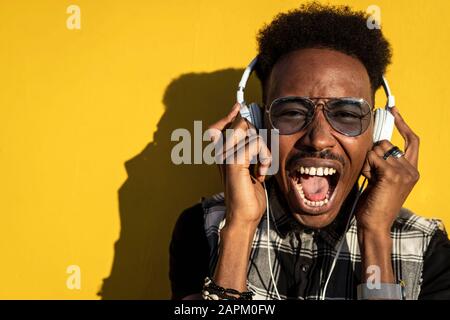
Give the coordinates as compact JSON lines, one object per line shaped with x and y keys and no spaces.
{"x":222,"y":123}
{"x":265,"y":161}
{"x":232,"y":136}
{"x":393,"y":170}
{"x":238,"y":153}
{"x":260,"y":153}
{"x":405,"y":164}
{"x":239,"y":129}
{"x":379,"y":149}
{"x":383,"y":147}
{"x":226,"y":140}
{"x":252,"y":151}
{"x":368,"y":171}
{"x":378,"y":166}
{"x":411,"y":139}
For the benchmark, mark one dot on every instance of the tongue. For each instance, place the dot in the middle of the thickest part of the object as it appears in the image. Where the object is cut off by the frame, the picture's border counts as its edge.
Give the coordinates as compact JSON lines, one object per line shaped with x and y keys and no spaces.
{"x":315,"y":188}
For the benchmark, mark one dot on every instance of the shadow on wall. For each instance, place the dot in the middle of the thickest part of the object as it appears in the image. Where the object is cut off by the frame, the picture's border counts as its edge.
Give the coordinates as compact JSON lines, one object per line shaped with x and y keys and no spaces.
{"x":157,"y":191}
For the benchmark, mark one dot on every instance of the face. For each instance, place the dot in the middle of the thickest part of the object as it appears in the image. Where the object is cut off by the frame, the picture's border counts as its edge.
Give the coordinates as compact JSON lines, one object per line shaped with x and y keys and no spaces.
{"x":315,"y":200}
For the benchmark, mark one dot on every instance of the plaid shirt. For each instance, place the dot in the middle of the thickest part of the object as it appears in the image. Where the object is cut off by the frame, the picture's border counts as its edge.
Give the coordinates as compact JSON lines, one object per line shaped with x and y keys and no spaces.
{"x":301,"y":257}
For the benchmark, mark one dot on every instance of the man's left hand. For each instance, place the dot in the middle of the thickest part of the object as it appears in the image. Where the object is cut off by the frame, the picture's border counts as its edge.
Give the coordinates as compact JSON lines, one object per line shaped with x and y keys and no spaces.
{"x":390,"y":181}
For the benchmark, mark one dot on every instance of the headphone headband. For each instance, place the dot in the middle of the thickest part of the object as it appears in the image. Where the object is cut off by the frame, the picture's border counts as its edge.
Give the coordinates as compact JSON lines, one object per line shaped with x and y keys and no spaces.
{"x":242,"y":84}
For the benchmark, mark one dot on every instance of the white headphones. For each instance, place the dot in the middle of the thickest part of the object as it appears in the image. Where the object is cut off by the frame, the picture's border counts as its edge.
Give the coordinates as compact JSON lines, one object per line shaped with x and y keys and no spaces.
{"x":384,"y":120}
{"x":383,"y":128}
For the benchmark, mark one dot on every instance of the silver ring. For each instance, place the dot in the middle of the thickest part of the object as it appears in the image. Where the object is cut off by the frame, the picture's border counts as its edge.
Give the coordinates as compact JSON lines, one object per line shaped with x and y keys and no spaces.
{"x":395,"y":152}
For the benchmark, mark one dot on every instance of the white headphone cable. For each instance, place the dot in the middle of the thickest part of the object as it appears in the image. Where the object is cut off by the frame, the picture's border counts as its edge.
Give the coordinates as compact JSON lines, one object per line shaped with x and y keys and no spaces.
{"x":341,"y":242}
{"x":268,"y":244}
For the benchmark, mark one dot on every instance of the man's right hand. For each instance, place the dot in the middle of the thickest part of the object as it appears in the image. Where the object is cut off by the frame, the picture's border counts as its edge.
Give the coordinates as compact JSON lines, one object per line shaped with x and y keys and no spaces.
{"x":244,"y":199}
{"x":244,"y":193}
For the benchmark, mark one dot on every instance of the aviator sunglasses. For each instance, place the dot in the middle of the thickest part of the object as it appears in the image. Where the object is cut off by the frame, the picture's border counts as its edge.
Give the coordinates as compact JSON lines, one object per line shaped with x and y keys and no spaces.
{"x":348,"y":116}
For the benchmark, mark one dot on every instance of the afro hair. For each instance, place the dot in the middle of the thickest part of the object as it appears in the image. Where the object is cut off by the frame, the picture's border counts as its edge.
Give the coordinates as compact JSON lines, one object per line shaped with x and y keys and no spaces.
{"x":314,"y":25}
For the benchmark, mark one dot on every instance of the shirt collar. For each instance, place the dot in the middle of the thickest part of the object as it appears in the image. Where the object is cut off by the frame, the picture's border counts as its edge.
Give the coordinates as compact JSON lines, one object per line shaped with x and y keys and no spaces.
{"x":285,"y":223}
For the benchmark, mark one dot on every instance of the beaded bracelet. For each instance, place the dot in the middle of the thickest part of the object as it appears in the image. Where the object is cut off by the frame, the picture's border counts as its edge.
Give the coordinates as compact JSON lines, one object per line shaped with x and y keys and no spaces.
{"x":211,"y":291}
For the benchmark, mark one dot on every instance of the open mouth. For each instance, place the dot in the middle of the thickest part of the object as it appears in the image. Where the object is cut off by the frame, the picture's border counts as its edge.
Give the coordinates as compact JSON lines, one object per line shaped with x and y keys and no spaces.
{"x":315,"y":185}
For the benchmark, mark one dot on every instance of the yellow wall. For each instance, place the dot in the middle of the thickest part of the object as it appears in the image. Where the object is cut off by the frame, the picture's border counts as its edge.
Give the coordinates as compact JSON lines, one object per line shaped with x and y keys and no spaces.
{"x":75,"y":105}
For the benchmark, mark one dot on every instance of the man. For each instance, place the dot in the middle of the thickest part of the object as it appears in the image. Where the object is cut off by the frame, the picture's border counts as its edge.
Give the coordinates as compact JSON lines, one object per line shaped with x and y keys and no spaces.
{"x":315,"y":56}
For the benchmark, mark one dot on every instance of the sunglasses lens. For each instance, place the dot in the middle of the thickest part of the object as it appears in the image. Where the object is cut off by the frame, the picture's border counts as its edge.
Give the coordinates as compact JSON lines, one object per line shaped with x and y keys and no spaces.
{"x":349,"y":116}
{"x":290,"y":115}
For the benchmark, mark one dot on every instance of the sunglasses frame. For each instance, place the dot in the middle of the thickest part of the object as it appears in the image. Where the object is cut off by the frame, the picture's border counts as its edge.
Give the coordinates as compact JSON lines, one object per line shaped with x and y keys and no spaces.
{"x":325,"y":106}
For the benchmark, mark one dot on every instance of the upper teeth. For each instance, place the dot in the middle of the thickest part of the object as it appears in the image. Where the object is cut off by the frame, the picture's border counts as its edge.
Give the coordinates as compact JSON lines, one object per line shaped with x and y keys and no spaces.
{"x":317,"y":171}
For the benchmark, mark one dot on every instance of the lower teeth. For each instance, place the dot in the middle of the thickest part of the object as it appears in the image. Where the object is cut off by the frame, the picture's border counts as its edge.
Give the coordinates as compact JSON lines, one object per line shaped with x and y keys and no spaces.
{"x":313,"y":203}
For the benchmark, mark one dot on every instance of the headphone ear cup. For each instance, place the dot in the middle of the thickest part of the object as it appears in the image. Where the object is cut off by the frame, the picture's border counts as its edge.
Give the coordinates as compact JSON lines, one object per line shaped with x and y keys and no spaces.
{"x":255,"y":112}
{"x":383,"y":125}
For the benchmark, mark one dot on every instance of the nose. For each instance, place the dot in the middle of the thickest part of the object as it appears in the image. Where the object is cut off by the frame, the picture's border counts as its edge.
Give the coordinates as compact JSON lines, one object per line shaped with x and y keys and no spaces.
{"x":318,"y":135}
